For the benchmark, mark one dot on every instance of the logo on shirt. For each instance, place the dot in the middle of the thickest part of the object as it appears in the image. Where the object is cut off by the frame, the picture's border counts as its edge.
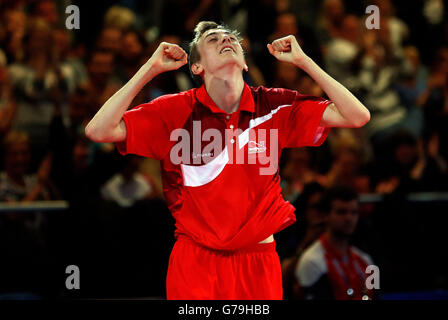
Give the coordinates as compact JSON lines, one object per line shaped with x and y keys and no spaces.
{"x":207,"y":162}
{"x":256,"y":147}
{"x":205,"y":156}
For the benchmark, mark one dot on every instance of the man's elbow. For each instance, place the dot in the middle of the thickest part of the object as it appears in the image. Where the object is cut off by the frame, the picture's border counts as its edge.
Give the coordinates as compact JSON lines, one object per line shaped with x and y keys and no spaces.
{"x":362,"y":120}
{"x":92,"y":133}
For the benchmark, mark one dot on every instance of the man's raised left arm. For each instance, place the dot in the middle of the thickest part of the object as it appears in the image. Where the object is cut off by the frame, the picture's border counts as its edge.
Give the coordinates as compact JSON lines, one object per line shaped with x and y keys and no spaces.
{"x":346,"y":110}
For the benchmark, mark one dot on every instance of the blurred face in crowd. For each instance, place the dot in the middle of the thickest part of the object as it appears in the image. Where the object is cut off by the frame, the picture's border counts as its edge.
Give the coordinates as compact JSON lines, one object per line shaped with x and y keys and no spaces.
{"x":101,"y":67}
{"x":61,"y":40}
{"x":40,"y":38}
{"x":308,"y":86}
{"x":15,"y":21}
{"x":79,"y":108}
{"x":334,"y":9}
{"x":343,"y":217}
{"x":80,"y":154}
{"x":287,"y":75}
{"x":348,"y":163}
{"x":406,"y":155}
{"x":314,"y":216}
{"x":298,"y":161}
{"x":110,"y":40}
{"x":47,"y":10}
{"x":17,"y":158}
{"x":131,"y":47}
{"x":351,"y":29}
{"x":218,"y":50}
{"x":412,"y":55}
{"x":286,"y":25}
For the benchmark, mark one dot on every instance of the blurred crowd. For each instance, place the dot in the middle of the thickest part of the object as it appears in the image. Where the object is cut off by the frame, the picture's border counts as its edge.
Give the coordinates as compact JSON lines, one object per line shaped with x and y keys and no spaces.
{"x":53,"y":80}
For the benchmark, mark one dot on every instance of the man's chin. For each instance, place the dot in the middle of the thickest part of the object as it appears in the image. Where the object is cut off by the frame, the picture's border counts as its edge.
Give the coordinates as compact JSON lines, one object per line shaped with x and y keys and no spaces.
{"x":231,"y":60}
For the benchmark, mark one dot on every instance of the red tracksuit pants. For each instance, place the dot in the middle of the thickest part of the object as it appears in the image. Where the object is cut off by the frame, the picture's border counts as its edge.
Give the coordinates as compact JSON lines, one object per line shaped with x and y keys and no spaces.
{"x":199,"y":273}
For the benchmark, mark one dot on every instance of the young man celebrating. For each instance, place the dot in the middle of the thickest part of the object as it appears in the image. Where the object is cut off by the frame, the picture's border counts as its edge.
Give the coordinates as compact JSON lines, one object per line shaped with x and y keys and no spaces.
{"x":226,"y":209}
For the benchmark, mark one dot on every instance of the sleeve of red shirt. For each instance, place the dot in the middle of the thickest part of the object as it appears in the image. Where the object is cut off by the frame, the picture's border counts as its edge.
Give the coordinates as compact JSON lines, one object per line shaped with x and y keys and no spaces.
{"x":149,"y":126}
{"x":299,"y":120}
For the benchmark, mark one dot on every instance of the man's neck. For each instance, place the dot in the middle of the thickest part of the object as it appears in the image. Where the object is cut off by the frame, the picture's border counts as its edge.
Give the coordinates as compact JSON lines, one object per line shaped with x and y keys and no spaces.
{"x":339,"y":243}
{"x":226,"y":91}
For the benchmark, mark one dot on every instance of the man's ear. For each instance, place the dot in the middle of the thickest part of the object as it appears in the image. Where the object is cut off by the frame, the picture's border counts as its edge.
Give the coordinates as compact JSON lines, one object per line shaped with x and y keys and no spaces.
{"x":197,"y":69}
{"x":246,"y":68}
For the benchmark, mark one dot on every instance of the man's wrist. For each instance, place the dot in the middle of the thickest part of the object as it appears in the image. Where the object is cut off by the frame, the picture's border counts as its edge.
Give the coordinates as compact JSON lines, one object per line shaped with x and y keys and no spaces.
{"x":304,"y":63}
{"x":150,"y":70}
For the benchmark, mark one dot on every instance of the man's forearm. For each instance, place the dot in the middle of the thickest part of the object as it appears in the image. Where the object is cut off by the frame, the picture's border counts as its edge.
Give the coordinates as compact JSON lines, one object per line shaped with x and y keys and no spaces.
{"x":346,"y":103}
{"x":102,"y":125}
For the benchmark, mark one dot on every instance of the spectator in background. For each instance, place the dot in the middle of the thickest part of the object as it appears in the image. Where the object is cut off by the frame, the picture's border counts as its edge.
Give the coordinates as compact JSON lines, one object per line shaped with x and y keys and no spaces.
{"x":381,"y":67}
{"x":410,"y":168}
{"x":15,"y":182}
{"x":110,"y":39}
{"x":297,"y":172}
{"x":434,"y":100}
{"x":70,"y":152}
{"x":8,"y":106}
{"x":331,"y":268}
{"x":287,"y":24}
{"x":37,"y":82}
{"x":130,"y":55}
{"x":310,"y":223}
{"x":74,"y":172}
{"x":71,"y":64}
{"x":346,"y":170}
{"x":329,"y":23}
{"x":287,"y":76}
{"x":342,"y":52}
{"x":295,"y":240}
{"x":414,"y":78}
{"x":121,"y":18}
{"x":253,"y":76}
{"x":403,"y":157}
{"x":23,"y":238}
{"x":47,"y":10}
{"x":433,"y":171}
{"x":102,"y":83}
{"x":397,"y":30}
{"x":129,"y":185}
{"x":14,"y":22}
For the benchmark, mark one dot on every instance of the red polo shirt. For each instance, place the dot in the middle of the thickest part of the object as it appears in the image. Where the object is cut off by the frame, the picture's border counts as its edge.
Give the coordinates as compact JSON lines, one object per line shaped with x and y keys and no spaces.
{"x":218,"y":200}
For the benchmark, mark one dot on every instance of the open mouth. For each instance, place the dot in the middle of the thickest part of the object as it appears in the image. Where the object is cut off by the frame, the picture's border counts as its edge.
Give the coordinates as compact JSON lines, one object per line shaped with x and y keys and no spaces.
{"x":227,"y":49}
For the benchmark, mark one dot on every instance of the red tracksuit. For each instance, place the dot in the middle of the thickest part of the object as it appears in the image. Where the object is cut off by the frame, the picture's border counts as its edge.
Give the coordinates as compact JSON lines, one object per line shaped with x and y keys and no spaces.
{"x":223,"y":206}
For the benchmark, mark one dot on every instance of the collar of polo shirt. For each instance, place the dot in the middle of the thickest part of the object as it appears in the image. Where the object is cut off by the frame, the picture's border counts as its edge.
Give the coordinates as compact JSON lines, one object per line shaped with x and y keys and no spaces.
{"x":246,"y":103}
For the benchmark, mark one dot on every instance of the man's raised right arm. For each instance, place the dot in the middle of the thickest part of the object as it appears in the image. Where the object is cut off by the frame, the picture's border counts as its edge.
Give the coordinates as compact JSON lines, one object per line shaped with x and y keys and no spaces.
{"x":107,"y":125}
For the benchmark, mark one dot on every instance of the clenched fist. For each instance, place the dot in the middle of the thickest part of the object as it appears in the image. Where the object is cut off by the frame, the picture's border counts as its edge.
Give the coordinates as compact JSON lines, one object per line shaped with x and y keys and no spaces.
{"x":167,"y":57}
{"x":287,"y":49}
